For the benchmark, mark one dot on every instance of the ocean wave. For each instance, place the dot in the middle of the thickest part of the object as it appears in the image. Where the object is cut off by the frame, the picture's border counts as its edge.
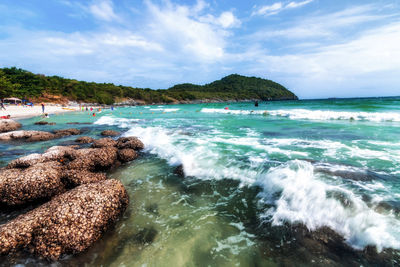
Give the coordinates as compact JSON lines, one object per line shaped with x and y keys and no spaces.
{"x":305,"y":114}
{"x":298,"y":191}
{"x":304,"y":198}
{"x":112,"y":121}
{"x":165,"y":109}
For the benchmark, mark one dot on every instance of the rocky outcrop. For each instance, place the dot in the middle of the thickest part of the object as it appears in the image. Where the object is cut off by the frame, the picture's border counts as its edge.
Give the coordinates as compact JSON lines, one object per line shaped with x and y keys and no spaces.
{"x":34,"y":136}
{"x":42,"y":176}
{"x":67,"y":132}
{"x":127,"y":154}
{"x":104,"y":142}
{"x":9,"y":125}
{"x":27,"y":136}
{"x":110,"y":133}
{"x":84,"y":140}
{"x":69,"y":223}
{"x":130,"y":142}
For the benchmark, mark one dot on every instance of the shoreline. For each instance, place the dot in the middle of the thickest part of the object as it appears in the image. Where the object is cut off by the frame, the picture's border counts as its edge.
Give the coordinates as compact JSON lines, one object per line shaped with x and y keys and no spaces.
{"x":19,"y":112}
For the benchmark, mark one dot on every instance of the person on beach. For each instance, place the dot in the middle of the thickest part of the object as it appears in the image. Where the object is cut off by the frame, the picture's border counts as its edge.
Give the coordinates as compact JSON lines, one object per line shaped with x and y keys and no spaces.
{"x":2,"y":105}
{"x":42,"y":107}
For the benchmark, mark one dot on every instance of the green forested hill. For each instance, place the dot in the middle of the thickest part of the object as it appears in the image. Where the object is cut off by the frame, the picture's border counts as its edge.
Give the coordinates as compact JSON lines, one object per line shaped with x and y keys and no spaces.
{"x":24,"y":84}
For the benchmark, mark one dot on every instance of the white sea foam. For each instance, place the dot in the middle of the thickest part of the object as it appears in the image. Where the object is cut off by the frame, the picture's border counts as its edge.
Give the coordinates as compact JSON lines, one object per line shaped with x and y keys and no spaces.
{"x":296,"y":192}
{"x":112,"y":121}
{"x":305,"y":114}
{"x":303,"y":197}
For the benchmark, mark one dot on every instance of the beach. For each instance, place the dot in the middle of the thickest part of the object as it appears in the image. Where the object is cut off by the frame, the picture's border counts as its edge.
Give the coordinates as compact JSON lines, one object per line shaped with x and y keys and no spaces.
{"x":19,"y":112}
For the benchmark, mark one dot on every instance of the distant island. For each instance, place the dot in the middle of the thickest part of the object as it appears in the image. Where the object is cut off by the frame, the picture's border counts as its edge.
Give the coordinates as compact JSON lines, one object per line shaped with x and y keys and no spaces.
{"x":21,"y":83}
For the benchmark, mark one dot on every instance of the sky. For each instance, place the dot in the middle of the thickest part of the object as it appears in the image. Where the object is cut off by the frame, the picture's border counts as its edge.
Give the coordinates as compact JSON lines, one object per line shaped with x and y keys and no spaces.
{"x":316,"y":48}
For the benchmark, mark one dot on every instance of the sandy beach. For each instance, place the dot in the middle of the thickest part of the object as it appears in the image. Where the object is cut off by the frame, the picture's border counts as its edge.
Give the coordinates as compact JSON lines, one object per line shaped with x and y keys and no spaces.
{"x":19,"y":112}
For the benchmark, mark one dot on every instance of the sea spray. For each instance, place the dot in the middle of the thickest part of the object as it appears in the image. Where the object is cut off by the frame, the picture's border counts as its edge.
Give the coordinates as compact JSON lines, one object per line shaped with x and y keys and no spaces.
{"x":299,"y":196}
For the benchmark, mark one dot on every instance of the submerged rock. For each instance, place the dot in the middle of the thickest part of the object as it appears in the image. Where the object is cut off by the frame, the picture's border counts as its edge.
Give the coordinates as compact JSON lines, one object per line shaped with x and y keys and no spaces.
{"x":179,"y":171}
{"x":7,"y":125}
{"x":28,"y":136}
{"x":110,"y":133}
{"x":69,"y":223}
{"x":44,"y":123}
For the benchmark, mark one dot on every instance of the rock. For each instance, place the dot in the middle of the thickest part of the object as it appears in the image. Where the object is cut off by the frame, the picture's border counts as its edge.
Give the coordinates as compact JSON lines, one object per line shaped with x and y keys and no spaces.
{"x":44,"y":123}
{"x":69,"y":223}
{"x":130,"y":142}
{"x":28,"y":136}
{"x":19,"y":186}
{"x":67,"y":132}
{"x":7,"y":125}
{"x":110,"y":133}
{"x":179,"y":171}
{"x":42,"y":176}
{"x":94,"y":159}
{"x":61,"y":154}
{"x":127,"y":154}
{"x":104,"y":142}
{"x":84,"y":140}
{"x":73,"y":178}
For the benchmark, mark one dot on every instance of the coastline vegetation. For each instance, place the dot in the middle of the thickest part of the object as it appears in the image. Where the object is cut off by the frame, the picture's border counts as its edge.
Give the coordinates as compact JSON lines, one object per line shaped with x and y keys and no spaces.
{"x":20,"y":83}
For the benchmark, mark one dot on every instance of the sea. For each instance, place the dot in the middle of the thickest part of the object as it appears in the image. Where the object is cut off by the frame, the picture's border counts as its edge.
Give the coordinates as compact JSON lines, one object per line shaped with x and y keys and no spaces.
{"x":287,"y":183}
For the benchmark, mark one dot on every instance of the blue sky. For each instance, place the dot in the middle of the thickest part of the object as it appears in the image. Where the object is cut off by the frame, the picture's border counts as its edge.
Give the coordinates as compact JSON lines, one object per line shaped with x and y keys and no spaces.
{"x":316,"y":48}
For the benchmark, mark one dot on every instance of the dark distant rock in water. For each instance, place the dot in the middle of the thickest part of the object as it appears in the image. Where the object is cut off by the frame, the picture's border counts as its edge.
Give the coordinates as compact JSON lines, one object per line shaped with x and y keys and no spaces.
{"x":130,"y":142}
{"x":67,"y":132}
{"x":110,"y":133}
{"x":84,"y":140}
{"x":27,"y":136}
{"x":79,"y":123}
{"x":299,"y":246}
{"x":44,"y":123}
{"x":68,"y":224}
{"x":179,"y":171}
{"x":145,"y":236}
{"x":104,"y":142}
{"x":9,"y":125}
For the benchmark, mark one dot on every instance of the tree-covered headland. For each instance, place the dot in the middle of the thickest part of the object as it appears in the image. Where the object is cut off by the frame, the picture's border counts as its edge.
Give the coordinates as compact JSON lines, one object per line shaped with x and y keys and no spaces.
{"x":15,"y":82}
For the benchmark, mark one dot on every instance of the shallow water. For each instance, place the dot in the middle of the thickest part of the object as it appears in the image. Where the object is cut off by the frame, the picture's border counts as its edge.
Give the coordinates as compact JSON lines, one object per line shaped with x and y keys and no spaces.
{"x":258,"y":180}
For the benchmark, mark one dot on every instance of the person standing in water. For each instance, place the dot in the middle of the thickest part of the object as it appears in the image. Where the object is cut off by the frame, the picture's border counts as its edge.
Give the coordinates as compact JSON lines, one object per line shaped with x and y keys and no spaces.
{"x":2,"y":104}
{"x":42,"y":107}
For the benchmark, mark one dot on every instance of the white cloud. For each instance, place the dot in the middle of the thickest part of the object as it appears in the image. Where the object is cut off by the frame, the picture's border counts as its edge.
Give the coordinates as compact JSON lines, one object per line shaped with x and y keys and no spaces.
{"x":103,"y":10}
{"x":370,"y":61}
{"x":278,"y":7}
{"x":186,"y":31}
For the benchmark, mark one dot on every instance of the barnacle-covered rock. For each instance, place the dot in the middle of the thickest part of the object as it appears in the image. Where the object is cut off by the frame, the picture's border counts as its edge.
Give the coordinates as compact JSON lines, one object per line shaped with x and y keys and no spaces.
{"x":127,"y":154}
{"x":104,"y":142}
{"x":130,"y":142}
{"x":110,"y":133}
{"x":28,"y":136}
{"x":84,"y":140}
{"x":7,"y":125}
{"x":42,"y":180}
{"x":56,"y":153}
{"x":69,"y":223}
{"x":67,"y":132}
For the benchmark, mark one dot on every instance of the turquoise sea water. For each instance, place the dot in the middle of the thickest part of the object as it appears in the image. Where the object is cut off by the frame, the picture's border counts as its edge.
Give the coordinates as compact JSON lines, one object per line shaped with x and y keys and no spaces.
{"x":253,"y":175}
